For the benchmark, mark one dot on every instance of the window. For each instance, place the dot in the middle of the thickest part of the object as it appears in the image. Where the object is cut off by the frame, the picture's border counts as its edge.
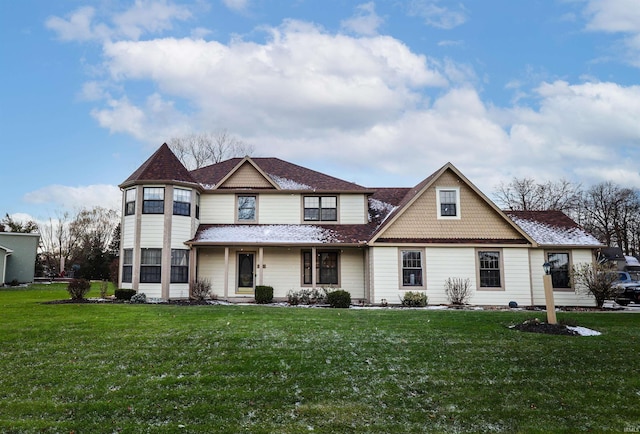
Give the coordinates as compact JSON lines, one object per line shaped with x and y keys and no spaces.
{"x":247,"y":208}
{"x":321,"y":208}
{"x":150,"y":265}
{"x":326,"y":268}
{"x":127,"y":265}
{"x":130,"y":202}
{"x":489,"y":269}
{"x":411,"y":267}
{"x":179,"y":266}
{"x":181,"y":202}
{"x":198,"y":205}
{"x":153,"y":200}
{"x":560,"y":266}
{"x":448,"y":202}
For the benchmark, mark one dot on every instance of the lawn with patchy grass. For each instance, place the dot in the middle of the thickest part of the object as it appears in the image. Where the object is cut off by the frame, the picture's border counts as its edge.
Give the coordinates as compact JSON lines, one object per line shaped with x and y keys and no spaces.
{"x":103,"y":368}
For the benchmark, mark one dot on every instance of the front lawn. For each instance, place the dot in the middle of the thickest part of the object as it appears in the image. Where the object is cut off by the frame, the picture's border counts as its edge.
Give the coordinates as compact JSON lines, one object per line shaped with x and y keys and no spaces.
{"x":103,"y":368}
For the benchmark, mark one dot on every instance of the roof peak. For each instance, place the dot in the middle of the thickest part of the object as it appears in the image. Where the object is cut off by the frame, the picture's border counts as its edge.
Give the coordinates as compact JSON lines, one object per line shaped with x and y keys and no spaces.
{"x":161,"y":166}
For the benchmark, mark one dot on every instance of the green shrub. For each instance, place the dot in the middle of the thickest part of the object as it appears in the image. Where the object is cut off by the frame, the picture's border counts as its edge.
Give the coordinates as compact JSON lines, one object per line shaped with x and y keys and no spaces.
{"x":414,"y":299}
{"x":78,"y":288}
{"x":104,"y":287}
{"x":124,"y":294}
{"x":307,"y":296}
{"x":139,"y":298}
{"x":339,"y":298}
{"x":264,"y":294}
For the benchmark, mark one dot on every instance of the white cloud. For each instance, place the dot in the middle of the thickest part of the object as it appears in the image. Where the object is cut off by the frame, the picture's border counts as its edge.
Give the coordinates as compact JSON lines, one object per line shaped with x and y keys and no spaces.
{"x":236,"y":5}
{"x":71,"y":198}
{"x":145,"y":16}
{"x":365,"y":22}
{"x":435,"y":15}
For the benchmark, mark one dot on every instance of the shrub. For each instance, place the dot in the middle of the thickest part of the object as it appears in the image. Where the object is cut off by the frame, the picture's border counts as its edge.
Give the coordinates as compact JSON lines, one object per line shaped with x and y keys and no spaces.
{"x":596,"y":280}
{"x":307,"y":296}
{"x":124,"y":294}
{"x":414,"y":299}
{"x":14,"y":282}
{"x":458,"y":290}
{"x":264,"y":294}
{"x":140,"y":298}
{"x":78,"y":288}
{"x":339,"y":299}
{"x":200,"y":289}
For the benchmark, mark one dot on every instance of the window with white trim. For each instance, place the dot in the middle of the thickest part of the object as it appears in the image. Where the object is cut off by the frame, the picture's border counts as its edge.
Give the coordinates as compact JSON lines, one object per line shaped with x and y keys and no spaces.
{"x":150,"y":265}
{"x":130,"y":201}
{"x":321,"y":208}
{"x":448,"y":202}
{"x":181,"y":202}
{"x":412,"y":268}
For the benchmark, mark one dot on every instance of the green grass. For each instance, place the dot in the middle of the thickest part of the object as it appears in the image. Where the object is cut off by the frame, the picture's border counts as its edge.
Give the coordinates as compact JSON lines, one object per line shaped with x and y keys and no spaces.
{"x":103,"y":368}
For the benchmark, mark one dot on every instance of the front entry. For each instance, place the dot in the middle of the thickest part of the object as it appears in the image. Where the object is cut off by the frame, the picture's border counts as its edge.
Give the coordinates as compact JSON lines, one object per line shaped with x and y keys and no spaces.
{"x":246,"y":273}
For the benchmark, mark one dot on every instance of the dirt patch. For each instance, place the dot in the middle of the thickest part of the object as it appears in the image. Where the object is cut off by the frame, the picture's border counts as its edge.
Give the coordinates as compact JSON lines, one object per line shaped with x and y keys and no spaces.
{"x":537,"y":326}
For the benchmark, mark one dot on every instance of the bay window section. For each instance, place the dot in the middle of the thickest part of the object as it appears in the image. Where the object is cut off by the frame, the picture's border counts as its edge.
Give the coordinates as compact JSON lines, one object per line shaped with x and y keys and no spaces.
{"x":127,"y":265}
{"x":179,"y":266}
{"x":130,"y":201}
{"x":320,"y":208}
{"x":412,"y":270}
{"x":153,"y":200}
{"x":150,"y":265}
{"x":181,"y":202}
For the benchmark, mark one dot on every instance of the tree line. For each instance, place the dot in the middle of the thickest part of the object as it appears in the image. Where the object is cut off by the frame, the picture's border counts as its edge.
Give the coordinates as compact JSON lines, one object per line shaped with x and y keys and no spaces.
{"x":610,"y":212}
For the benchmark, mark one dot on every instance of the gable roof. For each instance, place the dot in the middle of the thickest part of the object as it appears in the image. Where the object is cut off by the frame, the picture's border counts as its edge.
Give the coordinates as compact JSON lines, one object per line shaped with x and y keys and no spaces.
{"x":553,"y":228}
{"x":416,"y":192}
{"x":282,"y":174}
{"x":163,"y":166}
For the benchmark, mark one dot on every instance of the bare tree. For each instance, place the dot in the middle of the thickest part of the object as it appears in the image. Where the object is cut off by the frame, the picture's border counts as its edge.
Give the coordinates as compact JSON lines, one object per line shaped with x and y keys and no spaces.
{"x":57,"y":241}
{"x":524,"y":194}
{"x":9,"y":224}
{"x":595,"y":279}
{"x":199,"y":150}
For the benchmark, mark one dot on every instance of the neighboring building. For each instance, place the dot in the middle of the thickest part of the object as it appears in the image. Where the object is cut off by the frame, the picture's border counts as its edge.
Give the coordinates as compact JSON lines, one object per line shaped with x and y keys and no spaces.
{"x":17,"y":257}
{"x":263,"y":221}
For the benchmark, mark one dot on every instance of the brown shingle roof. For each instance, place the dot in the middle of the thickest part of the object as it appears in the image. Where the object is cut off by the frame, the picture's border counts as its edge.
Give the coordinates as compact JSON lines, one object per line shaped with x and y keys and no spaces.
{"x":162,"y":166}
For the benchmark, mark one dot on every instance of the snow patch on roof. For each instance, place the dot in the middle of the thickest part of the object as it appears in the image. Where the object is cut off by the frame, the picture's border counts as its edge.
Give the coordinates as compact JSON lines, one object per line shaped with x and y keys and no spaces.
{"x":289,"y":184}
{"x":380,"y":209}
{"x":283,"y":234}
{"x":543,"y":233}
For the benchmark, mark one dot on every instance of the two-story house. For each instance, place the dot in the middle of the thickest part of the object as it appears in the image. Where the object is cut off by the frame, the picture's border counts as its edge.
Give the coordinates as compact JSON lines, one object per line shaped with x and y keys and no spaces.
{"x":264,"y":221}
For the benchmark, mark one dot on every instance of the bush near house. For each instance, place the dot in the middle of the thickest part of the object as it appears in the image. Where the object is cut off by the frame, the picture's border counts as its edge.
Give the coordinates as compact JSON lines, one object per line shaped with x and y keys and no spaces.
{"x":124,"y":294}
{"x":414,"y":299}
{"x":458,"y":290}
{"x":307,"y":296}
{"x":264,"y":294}
{"x":78,"y":288}
{"x":200,"y":289}
{"x":339,"y":299}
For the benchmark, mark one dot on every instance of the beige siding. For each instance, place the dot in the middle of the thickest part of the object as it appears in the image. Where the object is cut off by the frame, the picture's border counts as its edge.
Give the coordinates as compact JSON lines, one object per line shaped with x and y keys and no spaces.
{"x":211,"y":267}
{"x":180,"y":232}
{"x":353,"y":209}
{"x":151,"y":290}
{"x":179,"y":290}
{"x":282,"y":270}
{"x":217,"y":208}
{"x":516,"y":284}
{"x":279,"y":209}
{"x":448,"y":262}
{"x":386,"y":278}
{"x":152,"y":231}
{"x":478,"y":220}
{"x":352,"y":272}
{"x":246,"y":177}
{"x":128,"y":231}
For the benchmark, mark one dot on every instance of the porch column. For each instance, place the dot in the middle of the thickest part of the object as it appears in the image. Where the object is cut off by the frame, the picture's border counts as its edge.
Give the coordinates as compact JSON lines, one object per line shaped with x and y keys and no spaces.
{"x":313,"y":267}
{"x":260,"y":265}
{"x":193,"y":270}
{"x":226,"y":272}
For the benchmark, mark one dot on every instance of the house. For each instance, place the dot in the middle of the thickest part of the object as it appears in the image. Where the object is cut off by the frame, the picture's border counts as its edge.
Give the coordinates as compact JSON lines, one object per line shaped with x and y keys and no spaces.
{"x":17,"y":257}
{"x":264,"y":221}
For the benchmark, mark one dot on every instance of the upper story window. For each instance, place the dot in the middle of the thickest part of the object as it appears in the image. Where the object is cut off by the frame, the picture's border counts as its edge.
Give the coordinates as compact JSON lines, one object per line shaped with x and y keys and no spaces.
{"x":560,"y":269}
{"x":321,"y":208}
{"x":448,"y":203}
{"x":153,"y":200}
{"x":247,"y":208}
{"x":130,"y":201}
{"x":181,"y":202}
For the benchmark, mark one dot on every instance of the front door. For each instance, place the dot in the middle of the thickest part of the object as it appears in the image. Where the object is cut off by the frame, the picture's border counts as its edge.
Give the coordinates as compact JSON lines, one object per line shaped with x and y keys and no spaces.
{"x":246,"y":273}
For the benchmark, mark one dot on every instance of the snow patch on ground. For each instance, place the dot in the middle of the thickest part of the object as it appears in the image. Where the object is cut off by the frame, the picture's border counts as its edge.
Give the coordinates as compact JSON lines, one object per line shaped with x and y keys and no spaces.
{"x":583,"y":331}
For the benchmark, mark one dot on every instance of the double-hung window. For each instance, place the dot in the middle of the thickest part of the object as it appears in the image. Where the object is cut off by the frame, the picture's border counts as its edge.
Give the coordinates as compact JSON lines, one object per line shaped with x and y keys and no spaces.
{"x":127,"y":265}
{"x":130,"y":201}
{"x":412,"y":274}
{"x":448,"y":203}
{"x":489,"y":269}
{"x":153,"y":200}
{"x":247,"y":208}
{"x":150,"y":265}
{"x":320,"y":208}
{"x":181,"y":202}
{"x":326,"y":271}
{"x":560,"y":269}
{"x":179,"y":266}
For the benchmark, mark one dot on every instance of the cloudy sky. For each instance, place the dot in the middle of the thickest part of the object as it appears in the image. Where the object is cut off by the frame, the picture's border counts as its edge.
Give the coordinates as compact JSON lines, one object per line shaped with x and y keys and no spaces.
{"x":381,"y":93}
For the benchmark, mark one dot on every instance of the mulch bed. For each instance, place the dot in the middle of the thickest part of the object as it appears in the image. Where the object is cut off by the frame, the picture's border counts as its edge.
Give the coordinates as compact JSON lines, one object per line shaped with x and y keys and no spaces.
{"x":537,"y":326}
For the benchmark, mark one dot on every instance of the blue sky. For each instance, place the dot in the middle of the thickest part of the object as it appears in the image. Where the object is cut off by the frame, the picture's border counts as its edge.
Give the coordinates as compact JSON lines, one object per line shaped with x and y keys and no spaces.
{"x":381,"y":93}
